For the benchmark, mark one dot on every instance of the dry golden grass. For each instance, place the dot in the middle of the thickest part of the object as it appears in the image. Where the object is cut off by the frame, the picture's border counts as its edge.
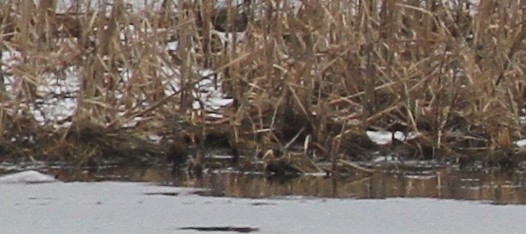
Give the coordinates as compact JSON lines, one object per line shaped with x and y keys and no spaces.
{"x":330,"y":69}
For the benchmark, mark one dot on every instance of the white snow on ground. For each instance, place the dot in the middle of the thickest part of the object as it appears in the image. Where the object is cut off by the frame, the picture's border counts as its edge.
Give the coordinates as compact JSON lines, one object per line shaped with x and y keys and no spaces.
{"x":210,"y":93}
{"x":27,"y":177}
{"x":112,"y":207}
{"x":57,"y":96}
{"x":386,"y":158}
{"x":521,"y":143}
{"x":384,"y":137}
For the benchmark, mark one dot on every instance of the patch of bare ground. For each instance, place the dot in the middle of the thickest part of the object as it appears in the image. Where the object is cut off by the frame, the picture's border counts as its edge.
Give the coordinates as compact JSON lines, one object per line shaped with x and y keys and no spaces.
{"x":305,"y":78}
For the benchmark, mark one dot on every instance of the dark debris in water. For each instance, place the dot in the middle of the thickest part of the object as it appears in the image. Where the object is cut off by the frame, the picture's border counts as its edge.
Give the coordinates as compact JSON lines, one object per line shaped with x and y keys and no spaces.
{"x":263,"y":204}
{"x":170,"y":194}
{"x":222,"y":229}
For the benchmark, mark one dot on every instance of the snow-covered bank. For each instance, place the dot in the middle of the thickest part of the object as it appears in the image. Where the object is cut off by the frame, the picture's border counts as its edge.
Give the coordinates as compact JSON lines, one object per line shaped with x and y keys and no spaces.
{"x":27,"y":177}
{"x":111,"y":207}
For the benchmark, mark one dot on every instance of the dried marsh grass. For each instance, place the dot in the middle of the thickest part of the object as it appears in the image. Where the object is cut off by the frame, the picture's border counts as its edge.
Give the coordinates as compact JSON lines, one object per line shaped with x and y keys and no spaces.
{"x":327,"y":69}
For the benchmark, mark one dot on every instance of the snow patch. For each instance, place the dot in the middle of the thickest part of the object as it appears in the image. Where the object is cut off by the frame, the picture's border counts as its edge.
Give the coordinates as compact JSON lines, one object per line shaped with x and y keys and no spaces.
{"x":27,"y":177}
{"x":384,"y":137}
{"x":387,"y":158}
{"x":521,"y":143}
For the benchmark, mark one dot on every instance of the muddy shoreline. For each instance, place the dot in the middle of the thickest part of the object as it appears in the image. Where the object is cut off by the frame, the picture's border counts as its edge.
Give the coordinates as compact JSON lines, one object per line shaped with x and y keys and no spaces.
{"x":92,"y":146}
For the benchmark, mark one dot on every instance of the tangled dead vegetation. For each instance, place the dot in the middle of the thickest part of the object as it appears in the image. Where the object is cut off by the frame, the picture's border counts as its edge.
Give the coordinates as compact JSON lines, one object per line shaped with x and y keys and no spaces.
{"x":323,"y":70}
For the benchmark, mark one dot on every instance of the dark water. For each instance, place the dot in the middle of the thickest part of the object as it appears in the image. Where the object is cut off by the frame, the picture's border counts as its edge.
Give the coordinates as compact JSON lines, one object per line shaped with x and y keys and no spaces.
{"x":446,"y":183}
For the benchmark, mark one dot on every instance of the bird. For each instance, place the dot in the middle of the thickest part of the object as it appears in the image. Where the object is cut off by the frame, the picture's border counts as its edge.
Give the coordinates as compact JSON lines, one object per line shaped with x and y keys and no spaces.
{"x":227,"y":19}
{"x":279,"y":165}
{"x":234,"y":19}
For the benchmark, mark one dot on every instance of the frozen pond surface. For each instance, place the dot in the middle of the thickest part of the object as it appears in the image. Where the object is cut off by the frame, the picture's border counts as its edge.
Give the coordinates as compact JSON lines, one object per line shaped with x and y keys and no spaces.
{"x":119,"y":207}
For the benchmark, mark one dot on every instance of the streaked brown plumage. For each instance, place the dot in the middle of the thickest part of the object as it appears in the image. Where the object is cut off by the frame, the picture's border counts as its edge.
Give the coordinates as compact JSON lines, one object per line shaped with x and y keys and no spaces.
{"x":279,"y":166}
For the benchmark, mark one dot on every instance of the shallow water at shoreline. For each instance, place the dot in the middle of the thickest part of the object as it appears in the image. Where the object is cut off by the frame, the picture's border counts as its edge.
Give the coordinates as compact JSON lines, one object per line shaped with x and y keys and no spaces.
{"x":444,"y":183}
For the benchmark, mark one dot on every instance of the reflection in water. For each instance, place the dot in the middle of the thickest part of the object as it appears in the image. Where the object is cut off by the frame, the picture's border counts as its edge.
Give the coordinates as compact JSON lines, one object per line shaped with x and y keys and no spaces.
{"x":495,"y":187}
